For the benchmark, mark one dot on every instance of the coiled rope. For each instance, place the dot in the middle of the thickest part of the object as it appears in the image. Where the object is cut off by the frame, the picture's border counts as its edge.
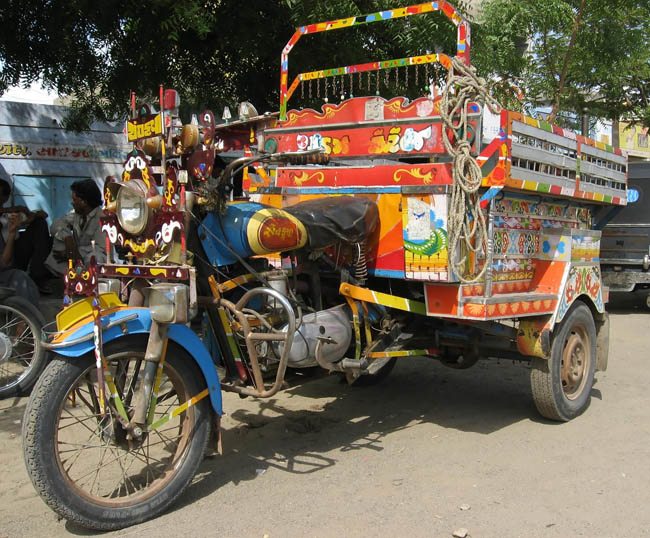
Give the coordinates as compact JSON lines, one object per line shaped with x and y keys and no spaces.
{"x":466,"y":221}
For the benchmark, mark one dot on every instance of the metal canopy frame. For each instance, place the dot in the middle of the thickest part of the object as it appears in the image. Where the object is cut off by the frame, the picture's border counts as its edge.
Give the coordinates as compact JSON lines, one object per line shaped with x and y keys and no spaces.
{"x":462,"y":45}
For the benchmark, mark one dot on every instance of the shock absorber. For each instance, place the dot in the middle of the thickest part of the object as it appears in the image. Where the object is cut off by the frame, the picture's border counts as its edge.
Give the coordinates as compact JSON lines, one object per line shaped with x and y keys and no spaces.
{"x":360,"y":270}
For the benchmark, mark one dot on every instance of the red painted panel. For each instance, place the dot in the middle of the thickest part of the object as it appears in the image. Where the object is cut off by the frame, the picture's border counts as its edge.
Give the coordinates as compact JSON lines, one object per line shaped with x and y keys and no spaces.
{"x":358,"y":176}
{"x":366,"y":108}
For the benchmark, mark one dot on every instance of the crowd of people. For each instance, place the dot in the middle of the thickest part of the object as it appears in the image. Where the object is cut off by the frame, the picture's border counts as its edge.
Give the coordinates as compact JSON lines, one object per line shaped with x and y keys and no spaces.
{"x":31,"y":255}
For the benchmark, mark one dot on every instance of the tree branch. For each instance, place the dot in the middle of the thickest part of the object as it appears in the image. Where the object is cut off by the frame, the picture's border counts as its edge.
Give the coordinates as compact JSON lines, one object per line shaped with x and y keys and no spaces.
{"x":565,"y":63}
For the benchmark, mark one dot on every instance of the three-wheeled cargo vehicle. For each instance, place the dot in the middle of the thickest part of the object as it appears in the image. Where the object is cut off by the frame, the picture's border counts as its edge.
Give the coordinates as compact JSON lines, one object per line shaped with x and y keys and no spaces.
{"x":372,"y":229}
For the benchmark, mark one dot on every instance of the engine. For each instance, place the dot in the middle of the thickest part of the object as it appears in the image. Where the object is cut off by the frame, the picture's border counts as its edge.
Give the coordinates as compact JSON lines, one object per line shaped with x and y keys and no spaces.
{"x":332,"y":324}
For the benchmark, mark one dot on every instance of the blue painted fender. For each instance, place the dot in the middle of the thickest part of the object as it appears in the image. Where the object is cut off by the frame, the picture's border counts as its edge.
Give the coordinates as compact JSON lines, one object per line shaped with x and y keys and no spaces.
{"x":140,"y":324}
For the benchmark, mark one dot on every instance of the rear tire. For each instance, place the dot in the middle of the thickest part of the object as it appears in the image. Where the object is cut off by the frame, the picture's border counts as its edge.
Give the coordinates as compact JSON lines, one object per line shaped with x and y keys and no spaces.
{"x":86,"y":470}
{"x":22,"y":356}
{"x":561,"y":385}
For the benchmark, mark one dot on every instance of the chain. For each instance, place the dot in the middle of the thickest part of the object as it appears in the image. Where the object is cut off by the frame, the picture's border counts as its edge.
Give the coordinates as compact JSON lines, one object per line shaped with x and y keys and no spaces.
{"x":466,"y":221}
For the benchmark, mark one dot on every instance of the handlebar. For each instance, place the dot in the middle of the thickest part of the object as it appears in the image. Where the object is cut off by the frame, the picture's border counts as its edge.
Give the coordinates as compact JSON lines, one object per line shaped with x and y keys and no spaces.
{"x":286,"y":156}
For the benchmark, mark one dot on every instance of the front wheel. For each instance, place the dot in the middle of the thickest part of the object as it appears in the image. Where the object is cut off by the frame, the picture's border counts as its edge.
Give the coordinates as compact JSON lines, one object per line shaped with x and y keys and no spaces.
{"x":22,"y":357}
{"x":561,"y":385}
{"x":86,"y":468}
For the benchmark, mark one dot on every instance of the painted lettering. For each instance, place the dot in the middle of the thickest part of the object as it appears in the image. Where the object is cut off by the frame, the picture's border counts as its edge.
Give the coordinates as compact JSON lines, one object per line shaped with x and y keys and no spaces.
{"x":137,"y":129}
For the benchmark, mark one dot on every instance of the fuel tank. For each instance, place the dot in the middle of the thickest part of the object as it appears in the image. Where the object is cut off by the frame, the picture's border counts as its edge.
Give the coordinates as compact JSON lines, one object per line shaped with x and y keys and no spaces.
{"x":248,"y":229}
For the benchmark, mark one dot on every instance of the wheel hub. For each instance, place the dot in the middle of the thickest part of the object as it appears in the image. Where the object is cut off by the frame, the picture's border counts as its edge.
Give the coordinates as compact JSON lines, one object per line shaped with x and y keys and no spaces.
{"x":6,"y":348}
{"x":575,"y":359}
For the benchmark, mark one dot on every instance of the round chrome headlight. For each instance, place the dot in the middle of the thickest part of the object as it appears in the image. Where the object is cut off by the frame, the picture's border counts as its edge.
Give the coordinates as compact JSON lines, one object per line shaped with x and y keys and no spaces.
{"x":132,"y":210}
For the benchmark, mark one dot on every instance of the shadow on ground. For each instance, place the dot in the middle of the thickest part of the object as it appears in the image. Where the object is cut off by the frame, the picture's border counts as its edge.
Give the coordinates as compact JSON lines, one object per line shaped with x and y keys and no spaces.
{"x":274,"y":434}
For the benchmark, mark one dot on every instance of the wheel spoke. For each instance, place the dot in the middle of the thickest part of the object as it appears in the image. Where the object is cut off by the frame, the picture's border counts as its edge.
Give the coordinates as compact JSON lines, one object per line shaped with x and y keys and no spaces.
{"x":121,"y":467}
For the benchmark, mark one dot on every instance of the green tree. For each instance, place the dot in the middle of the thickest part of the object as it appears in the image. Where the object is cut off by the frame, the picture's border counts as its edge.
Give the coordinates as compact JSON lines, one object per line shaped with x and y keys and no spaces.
{"x":576,"y":56}
{"x":215,"y":52}
{"x":210,"y":51}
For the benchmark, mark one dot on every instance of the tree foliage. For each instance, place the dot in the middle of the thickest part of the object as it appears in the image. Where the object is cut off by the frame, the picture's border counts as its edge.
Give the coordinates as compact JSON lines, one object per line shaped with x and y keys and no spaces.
{"x":215,"y":52}
{"x":580,"y":56}
{"x":219,"y":52}
{"x":210,"y":50}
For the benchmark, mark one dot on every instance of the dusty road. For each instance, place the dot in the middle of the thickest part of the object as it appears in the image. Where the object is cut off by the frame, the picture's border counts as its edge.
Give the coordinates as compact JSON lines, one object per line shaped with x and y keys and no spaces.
{"x":427,"y":452}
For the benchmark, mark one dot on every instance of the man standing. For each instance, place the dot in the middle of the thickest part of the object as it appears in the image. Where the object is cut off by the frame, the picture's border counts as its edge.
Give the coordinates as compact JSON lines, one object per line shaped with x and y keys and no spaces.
{"x":74,"y":233}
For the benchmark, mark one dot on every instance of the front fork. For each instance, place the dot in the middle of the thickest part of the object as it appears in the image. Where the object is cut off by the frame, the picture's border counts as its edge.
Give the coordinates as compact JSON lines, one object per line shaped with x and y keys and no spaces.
{"x":147,"y":394}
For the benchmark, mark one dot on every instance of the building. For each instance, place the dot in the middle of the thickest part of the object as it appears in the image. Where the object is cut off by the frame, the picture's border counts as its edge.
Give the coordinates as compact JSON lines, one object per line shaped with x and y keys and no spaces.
{"x":42,"y":160}
{"x":634,"y":140}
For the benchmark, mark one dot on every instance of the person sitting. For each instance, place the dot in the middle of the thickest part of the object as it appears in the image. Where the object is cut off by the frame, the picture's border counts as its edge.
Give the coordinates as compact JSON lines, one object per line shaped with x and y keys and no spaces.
{"x":25,"y":240}
{"x":11,"y":277}
{"x":75,"y":232}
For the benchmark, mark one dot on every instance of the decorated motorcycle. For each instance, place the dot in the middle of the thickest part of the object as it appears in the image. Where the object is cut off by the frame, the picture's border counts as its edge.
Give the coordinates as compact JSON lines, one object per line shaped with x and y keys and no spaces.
{"x":344,"y":238}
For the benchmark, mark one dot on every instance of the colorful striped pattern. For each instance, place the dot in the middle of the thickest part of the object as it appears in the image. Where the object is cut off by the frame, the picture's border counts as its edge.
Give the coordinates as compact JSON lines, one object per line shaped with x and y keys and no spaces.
{"x":545,"y":188}
{"x":375,"y":297}
{"x":429,"y":352}
{"x":462,"y":40}
{"x":180,"y":409}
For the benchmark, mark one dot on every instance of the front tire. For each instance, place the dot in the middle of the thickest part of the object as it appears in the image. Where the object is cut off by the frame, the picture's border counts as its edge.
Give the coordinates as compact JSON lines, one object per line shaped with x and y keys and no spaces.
{"x":88,"y":471}
{"x":561,"y":385}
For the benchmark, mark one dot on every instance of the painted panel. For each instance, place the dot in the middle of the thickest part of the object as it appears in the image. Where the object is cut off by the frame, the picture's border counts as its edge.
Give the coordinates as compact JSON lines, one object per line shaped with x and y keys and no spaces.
{"x":366,"y":176}
{"x":424,"y":221}
{"x":585,"y":248}
{"x":357,"y":141}
{"x":555,"y":246}
{"x":582,"y":280}
{"x":516,"y":243}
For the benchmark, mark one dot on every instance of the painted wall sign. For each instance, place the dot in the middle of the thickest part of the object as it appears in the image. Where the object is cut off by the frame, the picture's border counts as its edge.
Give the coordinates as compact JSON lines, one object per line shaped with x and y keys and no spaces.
{"x":16,"y":150}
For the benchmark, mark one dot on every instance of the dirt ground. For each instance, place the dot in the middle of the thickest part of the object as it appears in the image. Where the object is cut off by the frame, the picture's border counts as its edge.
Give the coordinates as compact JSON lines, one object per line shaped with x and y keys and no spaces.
{"x":426,"y":453}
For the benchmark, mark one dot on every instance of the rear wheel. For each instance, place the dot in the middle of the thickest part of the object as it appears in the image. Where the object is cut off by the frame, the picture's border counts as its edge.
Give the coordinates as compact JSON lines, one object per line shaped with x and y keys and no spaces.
{"x":85,"y":468}
{"x":562,"y":384}
{"x":22,"y":357}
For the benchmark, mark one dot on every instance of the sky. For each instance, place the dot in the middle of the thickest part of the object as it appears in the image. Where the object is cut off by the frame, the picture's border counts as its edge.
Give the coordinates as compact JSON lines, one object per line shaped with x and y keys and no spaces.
{"x":34,"y":94}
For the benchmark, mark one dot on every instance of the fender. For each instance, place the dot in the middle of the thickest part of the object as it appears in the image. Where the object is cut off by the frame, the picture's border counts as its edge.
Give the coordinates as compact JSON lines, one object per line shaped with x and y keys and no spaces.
{"x":138,"y":321}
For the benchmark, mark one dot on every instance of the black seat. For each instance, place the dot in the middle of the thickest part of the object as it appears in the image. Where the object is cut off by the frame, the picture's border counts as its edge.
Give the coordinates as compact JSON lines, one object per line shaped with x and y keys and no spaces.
{"x":336,"y":219}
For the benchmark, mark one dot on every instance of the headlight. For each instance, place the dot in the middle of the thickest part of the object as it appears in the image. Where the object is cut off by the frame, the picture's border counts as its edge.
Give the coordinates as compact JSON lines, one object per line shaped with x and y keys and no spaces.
{"x":132,"y":210}
{"x":168,"y":303}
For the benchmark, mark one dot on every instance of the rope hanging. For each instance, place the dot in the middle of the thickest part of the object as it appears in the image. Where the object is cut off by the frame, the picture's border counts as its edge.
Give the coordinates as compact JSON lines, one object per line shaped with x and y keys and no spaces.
{"x":466,"y":221}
